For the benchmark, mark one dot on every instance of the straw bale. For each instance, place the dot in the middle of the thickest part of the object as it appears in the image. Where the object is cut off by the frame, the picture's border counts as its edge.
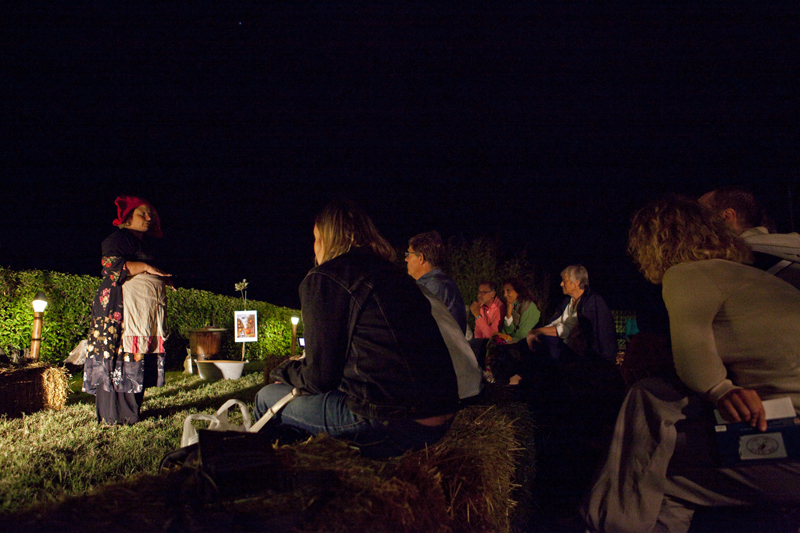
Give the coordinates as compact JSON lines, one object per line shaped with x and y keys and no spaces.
{"x":463,"y":483}
{"x":32,"y":388}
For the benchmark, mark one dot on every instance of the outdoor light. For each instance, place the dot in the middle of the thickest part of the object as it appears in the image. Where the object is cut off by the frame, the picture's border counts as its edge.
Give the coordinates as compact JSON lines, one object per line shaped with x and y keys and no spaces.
{"x":295,"y":321}
{"x":39,"y":303}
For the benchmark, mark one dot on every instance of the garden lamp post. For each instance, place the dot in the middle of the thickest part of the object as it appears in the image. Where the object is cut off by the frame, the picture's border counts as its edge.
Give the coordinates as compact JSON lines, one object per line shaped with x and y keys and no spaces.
{"x":295,"y":321}
{"x":39,"y":303}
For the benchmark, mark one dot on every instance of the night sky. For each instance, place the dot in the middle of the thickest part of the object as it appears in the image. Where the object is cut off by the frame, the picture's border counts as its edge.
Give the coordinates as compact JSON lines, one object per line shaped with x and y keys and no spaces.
{"x":546,"y":123}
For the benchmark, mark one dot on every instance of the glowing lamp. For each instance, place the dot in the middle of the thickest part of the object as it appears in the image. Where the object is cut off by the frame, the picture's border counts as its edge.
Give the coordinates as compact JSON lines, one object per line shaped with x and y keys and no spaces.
{"x":39,"y":303}
{"x":295,"y":321}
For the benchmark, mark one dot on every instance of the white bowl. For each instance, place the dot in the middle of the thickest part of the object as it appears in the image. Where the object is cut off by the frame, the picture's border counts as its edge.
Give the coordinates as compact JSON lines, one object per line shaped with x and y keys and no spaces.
{"x":219,"y":369}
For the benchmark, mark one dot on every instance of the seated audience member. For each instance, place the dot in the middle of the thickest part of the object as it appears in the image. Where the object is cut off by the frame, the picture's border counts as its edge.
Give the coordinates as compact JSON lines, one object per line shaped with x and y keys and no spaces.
{"x":489,"y":312}
{"x":468,"y":373}
{"x":382,"y":377}
{"x":777,"y":253}
{"x":425,"y":255}
{"x":735,"y":334}
{"x":583,"y":323}
{"x":521,"y":313}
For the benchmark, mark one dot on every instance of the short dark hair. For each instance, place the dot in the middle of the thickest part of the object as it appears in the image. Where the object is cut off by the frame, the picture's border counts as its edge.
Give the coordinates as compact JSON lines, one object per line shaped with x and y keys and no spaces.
{"x":748,"y":210}
{"x":491,"y":284}
{"x":431,"y":246}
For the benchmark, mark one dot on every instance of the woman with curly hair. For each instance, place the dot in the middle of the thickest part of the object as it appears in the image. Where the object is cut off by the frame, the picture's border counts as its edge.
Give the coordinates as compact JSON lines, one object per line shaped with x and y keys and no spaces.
{"x":735,"y":334}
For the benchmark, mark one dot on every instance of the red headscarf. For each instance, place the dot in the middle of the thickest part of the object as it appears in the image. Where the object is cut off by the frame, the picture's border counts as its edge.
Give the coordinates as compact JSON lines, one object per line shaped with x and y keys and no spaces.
{"x":126,"y":206}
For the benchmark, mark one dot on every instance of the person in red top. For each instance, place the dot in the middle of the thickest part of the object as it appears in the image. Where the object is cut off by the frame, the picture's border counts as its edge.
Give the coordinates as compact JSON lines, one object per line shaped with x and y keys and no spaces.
{"x":488,"y":311}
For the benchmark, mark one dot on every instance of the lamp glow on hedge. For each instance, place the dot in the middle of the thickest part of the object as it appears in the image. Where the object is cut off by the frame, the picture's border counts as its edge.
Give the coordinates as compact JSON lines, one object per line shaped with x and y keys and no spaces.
{"x":295,"y":321}
{"x":39,"y":303}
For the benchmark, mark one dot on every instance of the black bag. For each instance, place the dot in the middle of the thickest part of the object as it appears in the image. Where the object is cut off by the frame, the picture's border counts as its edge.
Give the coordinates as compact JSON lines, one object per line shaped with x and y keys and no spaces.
{"x":236,"y":462}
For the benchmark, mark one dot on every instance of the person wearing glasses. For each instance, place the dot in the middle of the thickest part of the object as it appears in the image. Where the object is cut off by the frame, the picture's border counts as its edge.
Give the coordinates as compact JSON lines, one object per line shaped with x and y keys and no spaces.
{"x":488,"y":311}
{"x":425,"y":255}
{"x":377,"y":371}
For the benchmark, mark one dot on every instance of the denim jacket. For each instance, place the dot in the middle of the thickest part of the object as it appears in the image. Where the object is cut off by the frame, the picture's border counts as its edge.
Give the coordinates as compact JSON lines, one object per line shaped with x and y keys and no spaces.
{"x":369,"y":332}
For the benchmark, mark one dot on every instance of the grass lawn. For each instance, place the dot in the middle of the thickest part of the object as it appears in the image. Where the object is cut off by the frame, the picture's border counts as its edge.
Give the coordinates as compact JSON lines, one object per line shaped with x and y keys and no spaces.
{"x":48,"y":455}
{"x":61,"y":467}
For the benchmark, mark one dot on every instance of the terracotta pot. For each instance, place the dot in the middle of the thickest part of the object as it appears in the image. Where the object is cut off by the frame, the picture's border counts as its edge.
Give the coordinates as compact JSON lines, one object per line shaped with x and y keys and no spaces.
{"x":205,"y":343}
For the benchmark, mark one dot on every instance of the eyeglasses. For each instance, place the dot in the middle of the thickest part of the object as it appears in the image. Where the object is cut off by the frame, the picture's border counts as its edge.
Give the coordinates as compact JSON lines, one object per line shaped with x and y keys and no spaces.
{"x":410,"y":253}
{"x":484,"y":292}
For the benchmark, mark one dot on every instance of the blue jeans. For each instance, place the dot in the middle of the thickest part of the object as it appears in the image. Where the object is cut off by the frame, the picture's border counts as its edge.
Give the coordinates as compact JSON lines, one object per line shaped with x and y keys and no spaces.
{"x":328,"y":413}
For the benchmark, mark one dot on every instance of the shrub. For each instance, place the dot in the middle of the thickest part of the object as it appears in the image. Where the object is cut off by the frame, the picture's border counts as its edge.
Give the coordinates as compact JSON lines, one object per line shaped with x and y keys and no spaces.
{"x":68,"y":316}
{"x":470,"y":262}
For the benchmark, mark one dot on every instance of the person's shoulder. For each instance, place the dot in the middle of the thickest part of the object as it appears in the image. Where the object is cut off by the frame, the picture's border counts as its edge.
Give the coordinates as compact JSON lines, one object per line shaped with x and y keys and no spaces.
{"x":595,"y":297}
{"x":117,"y":234}
{"x":355,"y":263}
{"x":120,"y":237}
{"x":439,"y":275}
{"x":592,"y":302}
{"x":718,"y":273}
{"x":682,"y":269}
{"x":775,"y":243}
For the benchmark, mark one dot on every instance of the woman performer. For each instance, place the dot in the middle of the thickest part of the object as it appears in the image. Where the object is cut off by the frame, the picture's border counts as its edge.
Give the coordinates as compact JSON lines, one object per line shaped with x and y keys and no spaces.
{"x":126,"y":344}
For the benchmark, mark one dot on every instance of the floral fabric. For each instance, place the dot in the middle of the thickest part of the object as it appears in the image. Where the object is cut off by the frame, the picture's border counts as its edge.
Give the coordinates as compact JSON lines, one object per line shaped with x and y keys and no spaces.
{"x":107,"y":365}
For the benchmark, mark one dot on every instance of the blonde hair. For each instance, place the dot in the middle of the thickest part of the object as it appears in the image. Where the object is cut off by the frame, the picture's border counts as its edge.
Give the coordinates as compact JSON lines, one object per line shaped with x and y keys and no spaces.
{"x":342,"y":226}
{"x":678,"y":230}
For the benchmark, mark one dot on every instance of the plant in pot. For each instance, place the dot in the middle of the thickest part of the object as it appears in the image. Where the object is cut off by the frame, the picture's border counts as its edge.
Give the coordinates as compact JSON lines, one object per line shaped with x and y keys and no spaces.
{"x":219,"y":369}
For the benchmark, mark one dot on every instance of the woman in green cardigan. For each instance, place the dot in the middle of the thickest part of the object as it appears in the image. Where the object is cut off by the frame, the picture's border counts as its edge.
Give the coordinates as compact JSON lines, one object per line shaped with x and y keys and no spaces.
{"x":521,"y":313}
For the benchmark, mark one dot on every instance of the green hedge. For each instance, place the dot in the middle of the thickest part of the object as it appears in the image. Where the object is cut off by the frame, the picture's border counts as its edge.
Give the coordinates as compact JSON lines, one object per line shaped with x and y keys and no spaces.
{"x":68,"y":316}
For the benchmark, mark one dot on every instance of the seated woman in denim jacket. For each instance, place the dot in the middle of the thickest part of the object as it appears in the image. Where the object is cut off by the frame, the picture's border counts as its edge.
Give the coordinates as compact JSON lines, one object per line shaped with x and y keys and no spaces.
{"x":376,"y":371}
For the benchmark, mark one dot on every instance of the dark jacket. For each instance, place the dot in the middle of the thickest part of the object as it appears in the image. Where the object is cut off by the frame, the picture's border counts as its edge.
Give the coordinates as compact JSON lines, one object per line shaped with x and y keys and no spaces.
{"x":596,"y":325}
{"x":369,"y":332}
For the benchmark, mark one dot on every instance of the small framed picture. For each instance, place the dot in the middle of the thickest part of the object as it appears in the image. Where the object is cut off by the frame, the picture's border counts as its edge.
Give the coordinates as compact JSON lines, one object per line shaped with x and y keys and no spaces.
{"x":246,"y":326}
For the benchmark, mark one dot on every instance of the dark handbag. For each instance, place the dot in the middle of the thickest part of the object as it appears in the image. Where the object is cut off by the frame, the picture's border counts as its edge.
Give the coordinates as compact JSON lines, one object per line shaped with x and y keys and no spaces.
{"x":239,"y":461}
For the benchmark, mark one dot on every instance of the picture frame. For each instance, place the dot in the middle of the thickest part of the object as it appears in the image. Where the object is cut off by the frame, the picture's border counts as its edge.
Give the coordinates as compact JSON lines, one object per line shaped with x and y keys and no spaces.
{"x":245,"y":326}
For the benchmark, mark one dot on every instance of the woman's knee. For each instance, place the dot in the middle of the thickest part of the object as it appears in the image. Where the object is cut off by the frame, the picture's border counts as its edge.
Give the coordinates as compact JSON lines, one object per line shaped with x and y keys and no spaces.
{"x":269,"y":396}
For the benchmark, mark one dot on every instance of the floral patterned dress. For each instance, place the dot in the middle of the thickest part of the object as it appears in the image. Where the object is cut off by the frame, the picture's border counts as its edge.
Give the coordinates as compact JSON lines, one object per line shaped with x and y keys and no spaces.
{"x":107,"y":365}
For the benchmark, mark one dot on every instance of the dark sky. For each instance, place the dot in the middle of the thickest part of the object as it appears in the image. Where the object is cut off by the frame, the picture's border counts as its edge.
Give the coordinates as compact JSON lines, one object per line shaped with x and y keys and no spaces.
{"x":545,"y":123}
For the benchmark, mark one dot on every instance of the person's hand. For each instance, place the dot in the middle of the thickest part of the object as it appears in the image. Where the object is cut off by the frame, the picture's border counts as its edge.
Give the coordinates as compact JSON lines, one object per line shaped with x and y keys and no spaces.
{"x":743,"y":405}
{"x":533,"y":338}
{"x":475,"y":308}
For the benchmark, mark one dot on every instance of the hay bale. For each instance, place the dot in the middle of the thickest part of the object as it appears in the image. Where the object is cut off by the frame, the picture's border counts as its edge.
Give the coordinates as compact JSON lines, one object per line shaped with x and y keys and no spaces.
{"x":462,"y":484}
{"x":32,"y":388}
